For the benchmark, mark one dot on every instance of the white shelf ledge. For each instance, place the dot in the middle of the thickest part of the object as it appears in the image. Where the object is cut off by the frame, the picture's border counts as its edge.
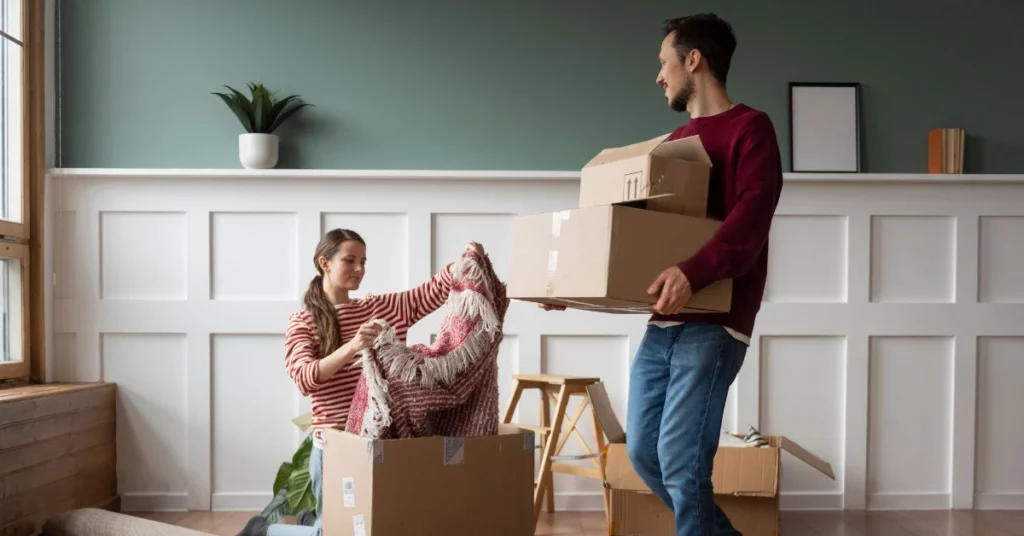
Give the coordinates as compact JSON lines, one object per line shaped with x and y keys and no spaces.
{"x":525,"y":175}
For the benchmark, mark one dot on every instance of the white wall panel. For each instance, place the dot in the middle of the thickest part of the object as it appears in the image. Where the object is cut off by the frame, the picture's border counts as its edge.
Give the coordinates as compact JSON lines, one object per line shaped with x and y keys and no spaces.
{"x":253,"y":403}
{"x":912,"y":259}
{"x":152,"y":425}
{"x":142,"y":255}
{"x":910,"y":411}
{"x":1000,"y":465}
{"x":1001,"y":252}
{"x":802,"y":398}
{"x":891,"y":323}
{"x":819,"y":242}
{"x":254,"y":256}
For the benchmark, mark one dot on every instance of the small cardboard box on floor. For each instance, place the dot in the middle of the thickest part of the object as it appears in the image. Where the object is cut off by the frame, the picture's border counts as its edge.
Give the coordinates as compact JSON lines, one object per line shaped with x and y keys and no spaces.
{"x":642,"y":209}
{"x":429,"y":485}
{"x":746,"y":482}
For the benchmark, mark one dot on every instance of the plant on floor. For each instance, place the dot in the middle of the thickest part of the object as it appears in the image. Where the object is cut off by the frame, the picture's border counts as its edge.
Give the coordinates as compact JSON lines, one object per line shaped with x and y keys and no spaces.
{"x":293,"y":489}
{"x":261,"y":112}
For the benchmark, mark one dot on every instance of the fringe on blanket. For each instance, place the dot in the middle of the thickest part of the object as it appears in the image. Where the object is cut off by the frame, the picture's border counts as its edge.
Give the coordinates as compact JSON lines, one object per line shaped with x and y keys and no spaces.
{"x":477,"y":296}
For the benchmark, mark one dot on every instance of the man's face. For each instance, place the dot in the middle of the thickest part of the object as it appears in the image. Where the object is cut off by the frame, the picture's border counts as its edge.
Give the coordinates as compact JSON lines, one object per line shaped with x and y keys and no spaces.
{"x":674,"y":77}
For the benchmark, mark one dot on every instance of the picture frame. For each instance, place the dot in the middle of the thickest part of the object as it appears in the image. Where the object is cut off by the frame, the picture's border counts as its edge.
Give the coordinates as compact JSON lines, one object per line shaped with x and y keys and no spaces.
{"x":824,"y":127}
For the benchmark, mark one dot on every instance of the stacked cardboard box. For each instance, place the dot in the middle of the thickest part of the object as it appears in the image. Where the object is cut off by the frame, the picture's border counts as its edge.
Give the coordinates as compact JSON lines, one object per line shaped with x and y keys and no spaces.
{"x":642,"y":208}
{"x":746,"y":482}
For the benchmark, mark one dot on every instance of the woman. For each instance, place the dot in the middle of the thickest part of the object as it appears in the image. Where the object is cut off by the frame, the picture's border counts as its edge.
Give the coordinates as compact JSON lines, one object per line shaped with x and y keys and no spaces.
{"x":324,"y":368}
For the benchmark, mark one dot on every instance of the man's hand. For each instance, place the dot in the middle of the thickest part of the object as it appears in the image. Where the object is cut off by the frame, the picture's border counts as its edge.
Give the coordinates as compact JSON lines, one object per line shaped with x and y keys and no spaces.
{"x":675,"y":291}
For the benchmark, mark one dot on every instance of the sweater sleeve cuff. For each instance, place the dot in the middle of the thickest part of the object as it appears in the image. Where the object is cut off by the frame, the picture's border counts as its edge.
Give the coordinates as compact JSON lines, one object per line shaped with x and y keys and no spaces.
{"x":697,"y":273}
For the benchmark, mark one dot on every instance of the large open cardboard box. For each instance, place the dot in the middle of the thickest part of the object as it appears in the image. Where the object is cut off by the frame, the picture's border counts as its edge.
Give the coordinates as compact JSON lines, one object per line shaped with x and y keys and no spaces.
{"x":650,"y":169}
{"x":605,"y":257}
{"x":746,"y":481}
{"x":429,"y":485}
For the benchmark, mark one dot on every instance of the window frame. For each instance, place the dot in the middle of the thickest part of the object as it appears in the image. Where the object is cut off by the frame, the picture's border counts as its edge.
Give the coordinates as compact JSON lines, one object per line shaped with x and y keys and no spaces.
{"x":22,"y":369}
{"x":23,"y":240}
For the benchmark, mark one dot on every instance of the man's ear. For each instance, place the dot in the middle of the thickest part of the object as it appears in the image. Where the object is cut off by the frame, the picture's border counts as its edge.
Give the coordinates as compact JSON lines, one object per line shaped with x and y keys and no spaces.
{"x":693,"y":59}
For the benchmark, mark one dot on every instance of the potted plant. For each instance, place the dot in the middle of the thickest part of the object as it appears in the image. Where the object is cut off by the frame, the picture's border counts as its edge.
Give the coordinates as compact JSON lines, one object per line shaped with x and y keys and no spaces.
{"x":260,"y":114}
{"x":293,"y":489}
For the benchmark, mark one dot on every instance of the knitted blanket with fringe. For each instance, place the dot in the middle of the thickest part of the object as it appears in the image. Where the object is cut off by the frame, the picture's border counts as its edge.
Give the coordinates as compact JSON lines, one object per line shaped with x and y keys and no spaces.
{"x":449,"y":388}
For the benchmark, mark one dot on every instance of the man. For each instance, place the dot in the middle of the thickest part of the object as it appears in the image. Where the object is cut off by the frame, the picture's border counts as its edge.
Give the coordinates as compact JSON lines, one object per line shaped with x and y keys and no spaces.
{"x":682,"y":372}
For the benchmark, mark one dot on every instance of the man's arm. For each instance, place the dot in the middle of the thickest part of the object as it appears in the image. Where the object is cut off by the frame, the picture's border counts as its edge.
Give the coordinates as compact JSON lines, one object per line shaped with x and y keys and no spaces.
{"x":733,"y":249}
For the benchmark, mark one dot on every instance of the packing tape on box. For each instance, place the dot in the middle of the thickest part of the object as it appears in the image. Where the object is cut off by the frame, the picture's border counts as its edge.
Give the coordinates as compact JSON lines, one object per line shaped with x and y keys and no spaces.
{"x":454,"y":450}
{"x":556,"y":222}
{"x":549,"y":282}
{"x":556,"y":231}
{"x":375,"y":451}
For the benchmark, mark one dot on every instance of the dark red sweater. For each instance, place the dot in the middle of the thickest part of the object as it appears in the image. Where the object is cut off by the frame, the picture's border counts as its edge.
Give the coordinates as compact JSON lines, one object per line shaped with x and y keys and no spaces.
{"x":746,"y":180}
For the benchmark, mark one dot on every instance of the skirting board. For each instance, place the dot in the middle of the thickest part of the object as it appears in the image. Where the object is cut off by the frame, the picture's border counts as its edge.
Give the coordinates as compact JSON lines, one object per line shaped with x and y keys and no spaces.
{"x":154,"y":502}
{"x":256,"y":501}
{"x":909,"y":501}
{"x":999,"y":501}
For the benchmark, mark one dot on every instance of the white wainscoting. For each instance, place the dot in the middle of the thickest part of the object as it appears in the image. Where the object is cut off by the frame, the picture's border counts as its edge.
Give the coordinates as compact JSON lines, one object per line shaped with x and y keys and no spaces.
{"x":891,"y":341}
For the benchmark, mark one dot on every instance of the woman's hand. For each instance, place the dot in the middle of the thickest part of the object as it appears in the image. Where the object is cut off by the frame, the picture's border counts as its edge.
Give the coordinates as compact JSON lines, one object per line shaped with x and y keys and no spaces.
{"x":363,"y":338}
{"x":346,"y":354}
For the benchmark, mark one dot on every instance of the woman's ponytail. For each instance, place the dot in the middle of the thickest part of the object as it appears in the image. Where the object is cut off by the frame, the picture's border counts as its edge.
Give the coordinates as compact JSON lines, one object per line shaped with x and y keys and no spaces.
{"x":324,"y":317}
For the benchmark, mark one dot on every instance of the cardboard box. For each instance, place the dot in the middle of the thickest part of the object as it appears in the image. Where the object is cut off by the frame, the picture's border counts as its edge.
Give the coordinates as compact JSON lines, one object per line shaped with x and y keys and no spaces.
{"x":649,"y":170}
{"x":605,"y":257}
{"x":429,"y":485}
{"x":642,"y":513}
{"x":746,"y":481}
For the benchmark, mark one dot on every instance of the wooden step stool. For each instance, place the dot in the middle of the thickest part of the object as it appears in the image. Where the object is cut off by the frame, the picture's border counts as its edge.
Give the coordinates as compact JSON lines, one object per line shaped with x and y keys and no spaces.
{"x":559,"y":389}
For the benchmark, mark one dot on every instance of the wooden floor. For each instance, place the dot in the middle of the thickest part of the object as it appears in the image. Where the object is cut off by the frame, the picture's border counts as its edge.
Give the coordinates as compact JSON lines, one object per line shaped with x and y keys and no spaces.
{"x":917,"y":523}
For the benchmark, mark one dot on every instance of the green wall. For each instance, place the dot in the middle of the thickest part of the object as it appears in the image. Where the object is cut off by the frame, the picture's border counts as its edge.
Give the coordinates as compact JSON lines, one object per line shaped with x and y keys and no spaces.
{"x":499,"y":84}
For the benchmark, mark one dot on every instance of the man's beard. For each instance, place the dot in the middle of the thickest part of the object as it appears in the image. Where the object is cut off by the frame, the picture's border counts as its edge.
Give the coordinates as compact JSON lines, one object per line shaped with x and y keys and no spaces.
{"x":679,"y":103}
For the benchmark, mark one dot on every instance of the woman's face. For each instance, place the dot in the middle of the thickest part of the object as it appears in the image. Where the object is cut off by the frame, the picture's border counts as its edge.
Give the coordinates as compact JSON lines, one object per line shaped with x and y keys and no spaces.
{"x":345,"y":270}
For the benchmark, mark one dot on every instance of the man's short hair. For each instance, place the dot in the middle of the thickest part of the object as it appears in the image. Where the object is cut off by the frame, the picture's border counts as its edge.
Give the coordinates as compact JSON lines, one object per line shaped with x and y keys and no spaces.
{"x":707,"y":33}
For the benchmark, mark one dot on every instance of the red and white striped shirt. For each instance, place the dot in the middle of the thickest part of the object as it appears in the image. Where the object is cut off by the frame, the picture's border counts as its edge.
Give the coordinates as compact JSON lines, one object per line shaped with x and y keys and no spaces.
{"x":330,"y":400}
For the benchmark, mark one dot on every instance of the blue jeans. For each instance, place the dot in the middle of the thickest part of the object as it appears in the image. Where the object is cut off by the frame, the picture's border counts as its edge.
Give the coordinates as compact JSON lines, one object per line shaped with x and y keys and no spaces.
{"x":316,"y":475}
{"x":677,"y":390}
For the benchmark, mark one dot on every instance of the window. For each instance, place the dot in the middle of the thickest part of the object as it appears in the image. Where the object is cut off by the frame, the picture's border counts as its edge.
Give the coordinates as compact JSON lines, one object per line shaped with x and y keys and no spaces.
{"x":21,"y":178}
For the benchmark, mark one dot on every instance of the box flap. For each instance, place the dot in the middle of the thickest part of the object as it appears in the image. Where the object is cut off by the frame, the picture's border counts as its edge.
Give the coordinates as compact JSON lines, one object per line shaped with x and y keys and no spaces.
{"x":613,"y":154}
{"x":746,"y":471}
{"x":602,"y":408}
{"x":644,"y":201}
{"x":689,"y":148}
{"x":805,"y":456}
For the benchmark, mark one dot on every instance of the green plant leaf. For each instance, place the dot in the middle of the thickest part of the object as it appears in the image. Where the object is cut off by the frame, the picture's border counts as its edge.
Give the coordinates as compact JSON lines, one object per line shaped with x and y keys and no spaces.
{"x":283,"y":472}
{"x":265,"y":107}
{"x":299,"y":485}
{"x":245,"y":104}
{"x":277,"y":508}
{"x":240,"y":110}
{"x":257,"y":114}
{"x":300,"y":492}
{"x":286,"y":113}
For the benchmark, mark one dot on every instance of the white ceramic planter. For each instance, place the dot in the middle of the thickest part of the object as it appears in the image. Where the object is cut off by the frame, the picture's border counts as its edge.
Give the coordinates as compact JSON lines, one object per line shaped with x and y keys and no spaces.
{"x":257,"y":151}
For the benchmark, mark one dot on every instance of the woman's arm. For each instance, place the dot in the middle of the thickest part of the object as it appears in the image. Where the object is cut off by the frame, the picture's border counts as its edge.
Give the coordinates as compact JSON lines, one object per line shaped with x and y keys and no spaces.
{"x":300,"y":355}
{"x":309,"y":372}
{"x":419,"y":302}
{"x":347,"y":353}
